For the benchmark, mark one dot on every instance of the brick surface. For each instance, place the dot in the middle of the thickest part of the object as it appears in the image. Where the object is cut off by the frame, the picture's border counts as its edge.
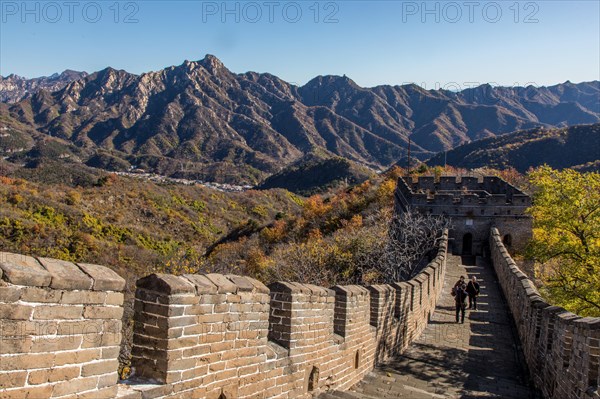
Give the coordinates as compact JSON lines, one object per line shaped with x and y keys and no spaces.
{"x":9,"y":311}
{"x":27,"y":361}
{"x":213,"y":335}
{"x":100,"y":367}
{"x":12,"y":379}
{"x":202,"y":347}
{"x":41,"y":295}
{"x":224,"y":285}
{"x":23,"y":270}
{"x":558,"y":345}
{"x":83,"y":297}
{"x":59,"y":339}
{"x":103,"y":312}
{"x":9,"y":294}
{"x":57,"y":312}
{"x":166,"y":284}
{"x":66,"y":275}
{"x":104,"y":278}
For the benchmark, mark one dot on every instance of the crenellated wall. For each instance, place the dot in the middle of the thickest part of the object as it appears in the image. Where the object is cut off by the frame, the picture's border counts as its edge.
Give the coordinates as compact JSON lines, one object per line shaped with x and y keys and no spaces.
{"x":217,"y":336}
{"x":562,"y":349}
{"x":60,"y":328}
{"x":198,"y":336}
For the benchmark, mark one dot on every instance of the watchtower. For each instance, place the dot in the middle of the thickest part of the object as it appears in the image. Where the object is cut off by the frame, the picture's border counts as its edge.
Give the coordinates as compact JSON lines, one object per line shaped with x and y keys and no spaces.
{"x":474,"y":205}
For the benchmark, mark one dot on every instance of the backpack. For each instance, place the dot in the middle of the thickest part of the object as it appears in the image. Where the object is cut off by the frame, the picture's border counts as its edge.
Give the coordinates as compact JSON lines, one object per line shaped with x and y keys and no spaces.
{"x":453,"y":292}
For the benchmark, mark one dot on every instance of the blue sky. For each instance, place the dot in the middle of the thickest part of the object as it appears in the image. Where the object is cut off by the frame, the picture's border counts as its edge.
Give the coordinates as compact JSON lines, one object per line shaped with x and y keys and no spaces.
{"x":434,"y":44}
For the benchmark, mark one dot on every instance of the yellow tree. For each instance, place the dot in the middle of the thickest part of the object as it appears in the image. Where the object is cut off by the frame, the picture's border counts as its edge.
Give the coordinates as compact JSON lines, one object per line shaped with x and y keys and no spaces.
{"x":566,"y":237}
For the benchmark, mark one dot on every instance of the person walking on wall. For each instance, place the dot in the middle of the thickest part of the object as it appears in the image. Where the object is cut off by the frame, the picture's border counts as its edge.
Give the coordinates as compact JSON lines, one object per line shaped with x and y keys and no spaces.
{"x":460,"y":296}
{"x":473,"y":292}
{"x":460,"y":281}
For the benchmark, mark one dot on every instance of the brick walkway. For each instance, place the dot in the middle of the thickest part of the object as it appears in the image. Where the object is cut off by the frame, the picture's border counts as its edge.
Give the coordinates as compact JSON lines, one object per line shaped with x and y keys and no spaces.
{"x":477,"y":359}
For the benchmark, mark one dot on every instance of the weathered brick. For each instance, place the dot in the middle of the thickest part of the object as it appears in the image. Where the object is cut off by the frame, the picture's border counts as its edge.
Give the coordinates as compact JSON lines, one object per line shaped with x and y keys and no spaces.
{"x":54,"y":374}
{"x":112,"y":326}
{"x":55,"y":344}
{"x":81,"y":384}
{"x":102,"y":393}
{"x":66,"y":275}
{"x":77,"y":357}
{"x":115,"y":298}
{"x":103,"y":312}
{"x":83,"y":297}
{"x":12,"y":379}
{"x":26,"y":361}
{"x":168,"y":284}
{"x":99,"y":367}
{"x":224,"y":285}
{"x":17,"y":328}
{"x":111,"y":339}
{"x":32,"y":392}
{"x":15,"y":345}
{"x":199,"y":309}
{"x":43,"y":312}
{"x":104,"y":278}
{"x":92,"y":341}
{"x":203,"y":284}
{"x":15,"y":311}
{"x":80,"y":327}
{"x":23,"y":270}
{"x":41,"y":295}
{"x":9,"y":294}
{"x":111,"y":352}
{"x":184,"y":342}
{"x":108,"y":380}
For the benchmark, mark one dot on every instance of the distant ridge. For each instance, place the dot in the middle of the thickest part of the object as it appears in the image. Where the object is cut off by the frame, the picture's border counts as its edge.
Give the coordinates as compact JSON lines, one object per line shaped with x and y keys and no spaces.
{"x":200,"y":120}
{"x":314,"y":174}
{"x":15,"y":88}
{"x":575,"y":147}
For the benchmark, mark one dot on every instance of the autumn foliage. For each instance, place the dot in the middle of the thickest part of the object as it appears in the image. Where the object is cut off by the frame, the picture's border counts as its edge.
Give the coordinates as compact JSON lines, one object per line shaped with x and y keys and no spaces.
{"x":566,"y":237}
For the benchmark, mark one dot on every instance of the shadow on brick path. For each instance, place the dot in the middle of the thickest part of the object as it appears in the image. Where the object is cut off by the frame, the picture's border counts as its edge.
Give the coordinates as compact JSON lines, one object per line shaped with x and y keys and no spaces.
{"x":477,"y":359}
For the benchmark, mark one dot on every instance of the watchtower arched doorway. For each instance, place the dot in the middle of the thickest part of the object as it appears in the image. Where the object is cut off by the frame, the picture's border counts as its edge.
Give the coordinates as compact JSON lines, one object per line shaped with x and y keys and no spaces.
{"x":507,"y":240}
{"x":467,"y":244}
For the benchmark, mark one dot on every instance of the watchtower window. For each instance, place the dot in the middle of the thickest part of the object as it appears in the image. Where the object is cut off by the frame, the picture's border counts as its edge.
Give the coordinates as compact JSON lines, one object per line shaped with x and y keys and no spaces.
{"x":357,"y":359}
{"x":507,"y":240}
{"x":313,"y":379}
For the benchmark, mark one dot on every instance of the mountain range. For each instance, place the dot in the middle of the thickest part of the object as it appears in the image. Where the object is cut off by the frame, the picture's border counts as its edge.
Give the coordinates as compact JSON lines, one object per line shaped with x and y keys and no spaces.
{"x":200,"y":120}
{"x":14,"y":88}
{"x":576,"y":147}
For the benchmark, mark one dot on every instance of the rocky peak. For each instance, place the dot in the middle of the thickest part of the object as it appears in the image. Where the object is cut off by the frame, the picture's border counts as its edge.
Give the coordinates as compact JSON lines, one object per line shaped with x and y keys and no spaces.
{"x":212,"y":64}
{"x":332,"y":80}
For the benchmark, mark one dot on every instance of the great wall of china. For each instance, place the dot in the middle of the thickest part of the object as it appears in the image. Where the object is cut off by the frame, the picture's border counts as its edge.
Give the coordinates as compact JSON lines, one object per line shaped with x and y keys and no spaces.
{"x":562,"y":349}
{"x":200,"y":336}
{"x":225,"y":336}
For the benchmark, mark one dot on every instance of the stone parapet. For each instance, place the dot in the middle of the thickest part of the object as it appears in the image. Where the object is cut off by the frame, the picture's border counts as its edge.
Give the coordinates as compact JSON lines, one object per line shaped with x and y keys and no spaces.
{"x":60,"y":328}
{"x":216,"y":336}
{"x":198,"y":336}
{"x":562,"y":349}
